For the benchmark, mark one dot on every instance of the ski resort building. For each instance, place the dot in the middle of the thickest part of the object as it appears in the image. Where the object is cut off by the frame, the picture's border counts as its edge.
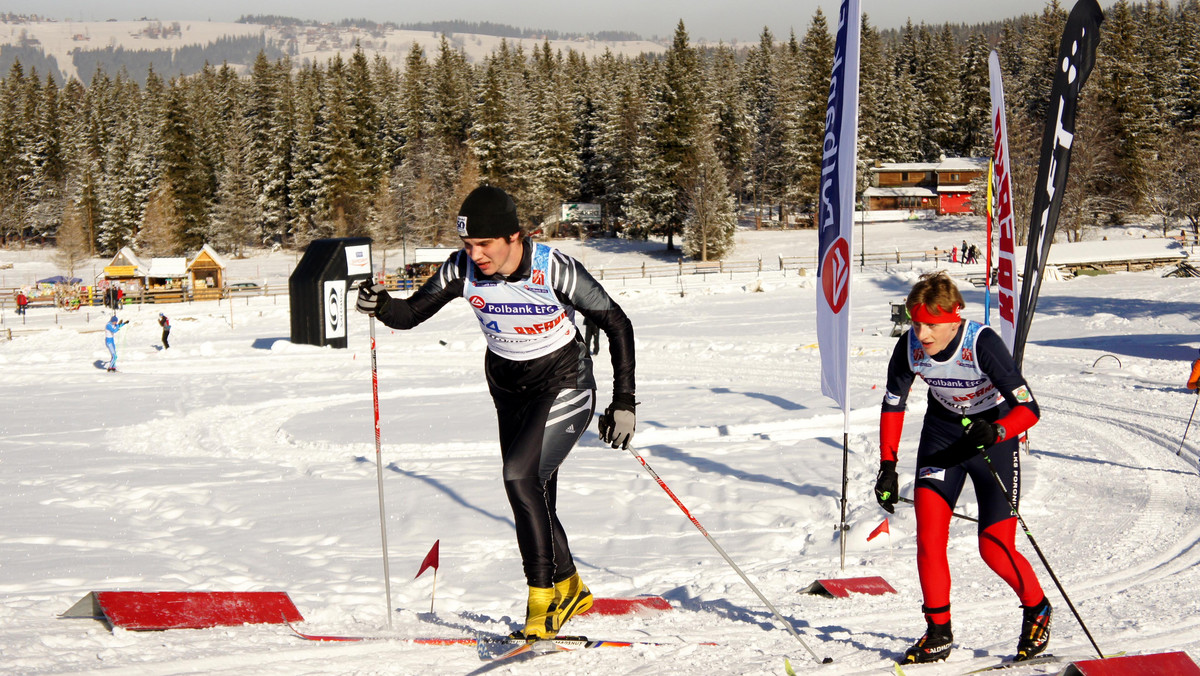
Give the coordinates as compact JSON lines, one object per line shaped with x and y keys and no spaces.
{"x":944,"y":187}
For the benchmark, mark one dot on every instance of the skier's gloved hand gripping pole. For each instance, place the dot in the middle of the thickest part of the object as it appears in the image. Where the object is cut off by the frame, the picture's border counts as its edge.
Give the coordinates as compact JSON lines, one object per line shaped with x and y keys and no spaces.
{"x":372,"y":296}
{"x":981,"y":435}
{"x":613,"y":431}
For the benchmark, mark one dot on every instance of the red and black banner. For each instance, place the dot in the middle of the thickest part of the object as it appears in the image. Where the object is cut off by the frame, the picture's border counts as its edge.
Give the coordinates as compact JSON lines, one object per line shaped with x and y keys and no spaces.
{"x":1076,"y":56}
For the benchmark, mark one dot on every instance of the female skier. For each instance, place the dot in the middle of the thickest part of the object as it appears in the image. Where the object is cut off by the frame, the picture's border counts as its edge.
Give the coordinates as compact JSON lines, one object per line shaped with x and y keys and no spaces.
{"x":978,"y":401}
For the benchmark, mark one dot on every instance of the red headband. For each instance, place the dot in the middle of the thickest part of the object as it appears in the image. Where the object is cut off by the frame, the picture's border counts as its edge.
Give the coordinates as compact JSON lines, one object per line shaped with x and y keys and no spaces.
{"x":921,"y":313}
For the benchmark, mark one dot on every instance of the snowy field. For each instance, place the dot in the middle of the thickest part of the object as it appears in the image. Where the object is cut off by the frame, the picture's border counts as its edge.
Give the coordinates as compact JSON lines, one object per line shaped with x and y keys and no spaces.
{"x":238,"y":461}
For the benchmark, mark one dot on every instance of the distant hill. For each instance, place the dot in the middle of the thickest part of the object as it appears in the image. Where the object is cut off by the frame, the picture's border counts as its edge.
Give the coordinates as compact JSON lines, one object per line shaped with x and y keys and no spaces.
{"x":74,"y":49}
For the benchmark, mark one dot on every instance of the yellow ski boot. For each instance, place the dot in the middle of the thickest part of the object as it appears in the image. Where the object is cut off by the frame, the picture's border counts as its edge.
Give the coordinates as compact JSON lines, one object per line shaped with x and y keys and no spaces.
{"x":572,"y":598}
{"x":539,"y":615}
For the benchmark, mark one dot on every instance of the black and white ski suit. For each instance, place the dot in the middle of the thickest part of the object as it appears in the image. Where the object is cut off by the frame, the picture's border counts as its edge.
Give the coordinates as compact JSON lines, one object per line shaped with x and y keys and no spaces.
{"x":539,"y":374}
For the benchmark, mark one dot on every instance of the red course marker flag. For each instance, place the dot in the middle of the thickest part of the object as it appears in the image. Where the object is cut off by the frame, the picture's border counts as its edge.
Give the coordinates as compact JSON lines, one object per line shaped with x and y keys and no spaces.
{"x":431,"y":560}
{"x":881,"y":528}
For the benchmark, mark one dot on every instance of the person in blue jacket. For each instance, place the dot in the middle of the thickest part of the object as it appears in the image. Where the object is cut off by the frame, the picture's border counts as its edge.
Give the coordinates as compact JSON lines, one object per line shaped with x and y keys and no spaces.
{"x":110,"y":340}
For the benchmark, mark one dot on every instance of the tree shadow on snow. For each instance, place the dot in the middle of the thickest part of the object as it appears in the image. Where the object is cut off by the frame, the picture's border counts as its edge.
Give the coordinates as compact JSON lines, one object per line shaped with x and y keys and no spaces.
{"x":714,"y":467}
{"x":782,"y":403}
{"x":1109,"y":463}
{"x":1176,"y":347}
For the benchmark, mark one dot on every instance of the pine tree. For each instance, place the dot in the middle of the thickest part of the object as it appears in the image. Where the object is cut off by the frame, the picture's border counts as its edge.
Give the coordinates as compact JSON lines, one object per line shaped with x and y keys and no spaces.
{"x":762,"y":77}
{"x":733,"y":125}
{"x":805,"y":141}
{"x":185,"y":172}
{"x":236,"y":211}
{"x":1124,"y":99}
{"x":711,"y":220}
{"x":675,"y":129}
{"x":620,"y":116}
{"x":554,"y":164}
{"x":47,"y":189}
{"x":1186,"y":35}
{"x":973,"y":129}
{"x":306,"y":177}
{"x":343,"y":203}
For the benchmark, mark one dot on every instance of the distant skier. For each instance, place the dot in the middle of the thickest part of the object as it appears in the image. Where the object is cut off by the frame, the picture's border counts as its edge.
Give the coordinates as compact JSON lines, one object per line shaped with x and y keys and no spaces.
{"x":166,"y":328}
{"x":539,"y":373}
{"x":110,"y":340}
{"x":972,"y":381}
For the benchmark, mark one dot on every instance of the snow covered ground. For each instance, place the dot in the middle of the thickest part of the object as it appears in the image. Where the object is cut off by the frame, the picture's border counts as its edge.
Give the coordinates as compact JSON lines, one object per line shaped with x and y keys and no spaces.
{"x":238,"y":461}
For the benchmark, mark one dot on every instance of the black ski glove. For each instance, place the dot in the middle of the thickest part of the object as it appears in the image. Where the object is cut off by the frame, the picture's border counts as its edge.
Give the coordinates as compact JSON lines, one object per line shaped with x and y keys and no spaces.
{"x":371,"y":297}
{"x":618,"y":420}
{"x":887,"y":486}
{"x":983,"y":434}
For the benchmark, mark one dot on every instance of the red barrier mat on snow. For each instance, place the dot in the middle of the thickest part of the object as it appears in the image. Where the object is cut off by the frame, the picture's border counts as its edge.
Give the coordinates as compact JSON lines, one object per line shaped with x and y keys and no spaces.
{"x":842,"y":588}
{"x":1163,"y":664}
{"x":627,"y":606}
{"x":149,"y":611}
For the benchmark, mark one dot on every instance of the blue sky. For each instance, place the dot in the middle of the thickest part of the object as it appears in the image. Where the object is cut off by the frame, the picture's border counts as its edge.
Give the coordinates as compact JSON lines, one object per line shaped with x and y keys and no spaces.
{"x":705,"y":19}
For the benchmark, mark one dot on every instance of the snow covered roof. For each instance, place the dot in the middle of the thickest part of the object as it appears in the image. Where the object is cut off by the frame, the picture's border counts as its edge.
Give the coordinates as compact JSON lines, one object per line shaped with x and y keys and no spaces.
{"x":126,"y":256}
{"x":946,"y":164}
{"x":212,"y":253}
{"x":962,"y":164}
{"x":955,"y":188}
{"x":899,"y":192}
{"x":167,"y":268}
{"x":905,"y":166}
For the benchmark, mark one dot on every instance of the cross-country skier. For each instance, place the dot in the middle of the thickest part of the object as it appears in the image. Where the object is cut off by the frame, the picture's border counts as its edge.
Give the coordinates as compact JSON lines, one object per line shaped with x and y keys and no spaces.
{"x":978,"y":399}
{"x":166,"y":327}
{"x":539,"y":373}
{"x":110,"y":340}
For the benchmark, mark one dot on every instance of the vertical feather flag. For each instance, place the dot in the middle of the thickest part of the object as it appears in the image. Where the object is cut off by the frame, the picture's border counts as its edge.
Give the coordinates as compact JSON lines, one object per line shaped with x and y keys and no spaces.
{"x":1076,"y":56}
{"x":835,"y":226}
{"x":1007,"y":294}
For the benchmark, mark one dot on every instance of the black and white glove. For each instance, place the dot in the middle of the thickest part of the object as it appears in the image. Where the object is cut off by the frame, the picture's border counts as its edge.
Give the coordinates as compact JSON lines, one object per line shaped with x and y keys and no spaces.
{"x":371,"y":297}
{"x":887,"y":486}
{"x":618,"y":420}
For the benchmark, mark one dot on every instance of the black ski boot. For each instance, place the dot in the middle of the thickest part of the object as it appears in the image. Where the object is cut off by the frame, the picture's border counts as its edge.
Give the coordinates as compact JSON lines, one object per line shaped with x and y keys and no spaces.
{"x":1035,"y":630}
{"x":934,"y":646}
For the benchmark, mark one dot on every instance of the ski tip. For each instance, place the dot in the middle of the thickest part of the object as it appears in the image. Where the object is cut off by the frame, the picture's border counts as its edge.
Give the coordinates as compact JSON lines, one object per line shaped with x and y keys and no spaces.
{"x":787,"y":667}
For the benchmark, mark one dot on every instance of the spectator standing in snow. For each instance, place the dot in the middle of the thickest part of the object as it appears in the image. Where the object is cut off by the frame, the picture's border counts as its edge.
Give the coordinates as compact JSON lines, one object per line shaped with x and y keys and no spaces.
{"x":22,"y":302}
{"x":110,"y":340}
{"x":978,"y":400}
{"x":166,"y":327}
{"x":539,"y":373}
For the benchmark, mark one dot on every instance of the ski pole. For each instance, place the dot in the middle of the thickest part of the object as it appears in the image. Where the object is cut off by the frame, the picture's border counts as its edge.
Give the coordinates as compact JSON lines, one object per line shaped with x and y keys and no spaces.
{"x":1041,"y":556}
{"x":1189,"y":424}
{"x":387,"y":577}
{"x":961,"y":516}
{"x":711,"y":541}
{"x":1008,"y":497}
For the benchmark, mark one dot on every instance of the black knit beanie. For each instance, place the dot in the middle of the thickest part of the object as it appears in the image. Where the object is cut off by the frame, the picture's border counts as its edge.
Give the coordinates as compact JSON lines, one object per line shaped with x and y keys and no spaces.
{"x":487,"y":212}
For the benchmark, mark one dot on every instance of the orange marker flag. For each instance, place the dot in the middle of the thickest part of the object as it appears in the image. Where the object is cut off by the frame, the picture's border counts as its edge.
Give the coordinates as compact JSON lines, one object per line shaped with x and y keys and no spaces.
{"x":881,"y":528}
{"x":431,"y":560}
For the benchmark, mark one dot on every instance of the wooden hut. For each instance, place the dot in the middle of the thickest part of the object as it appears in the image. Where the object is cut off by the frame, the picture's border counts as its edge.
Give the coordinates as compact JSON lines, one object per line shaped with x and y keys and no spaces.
{"x":207,"y":271}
